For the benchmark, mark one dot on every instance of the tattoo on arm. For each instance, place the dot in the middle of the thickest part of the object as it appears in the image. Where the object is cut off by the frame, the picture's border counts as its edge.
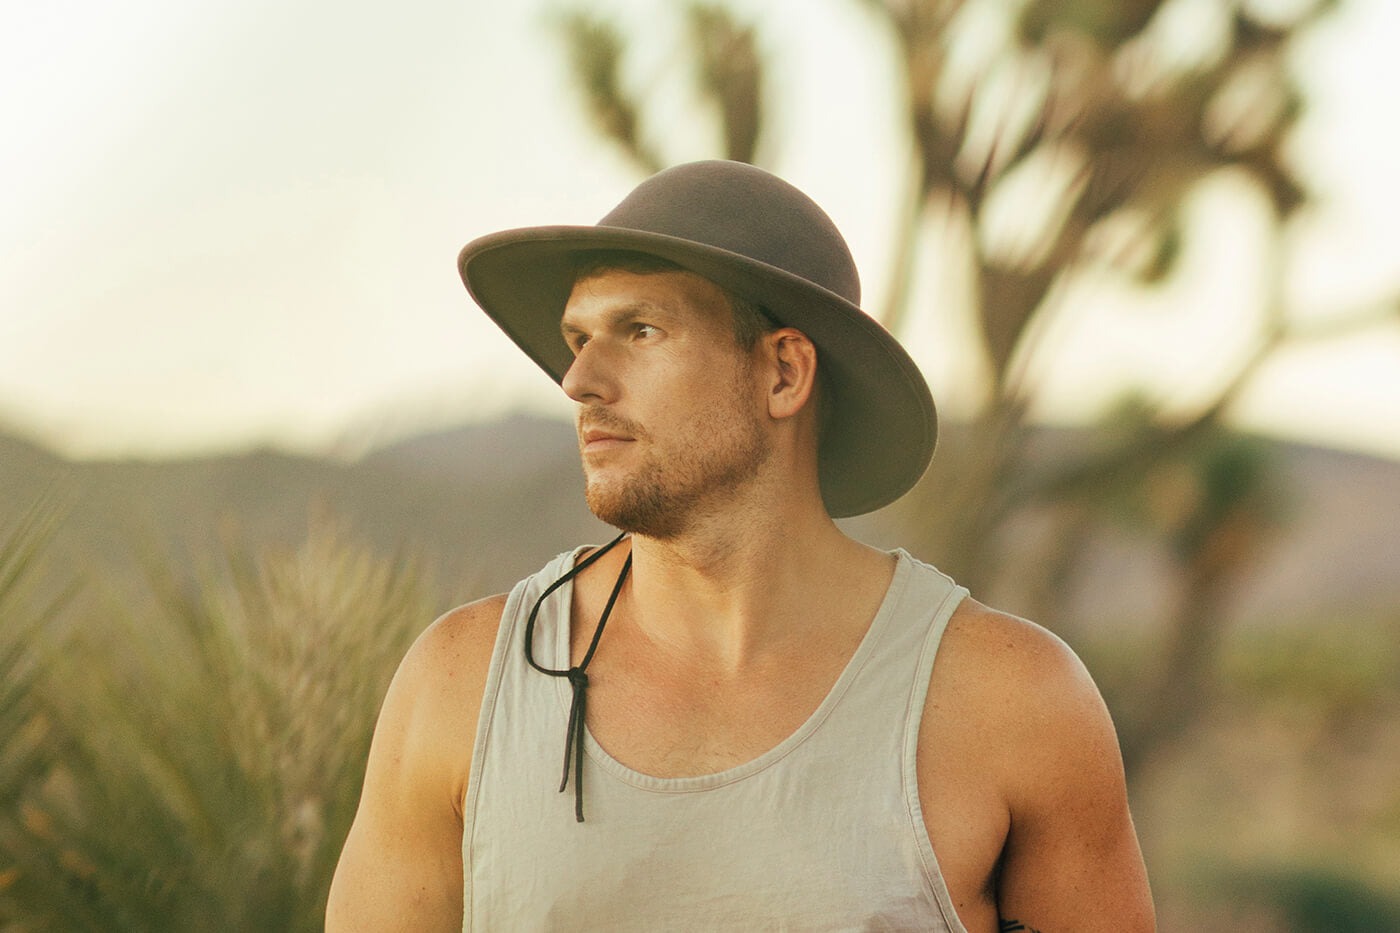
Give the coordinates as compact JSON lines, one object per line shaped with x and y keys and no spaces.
{"x":1015,"y":926}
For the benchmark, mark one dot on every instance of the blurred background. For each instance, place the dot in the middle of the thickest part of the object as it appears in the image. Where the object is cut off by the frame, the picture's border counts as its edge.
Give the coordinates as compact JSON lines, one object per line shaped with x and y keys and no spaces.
{"x":254,"y":435}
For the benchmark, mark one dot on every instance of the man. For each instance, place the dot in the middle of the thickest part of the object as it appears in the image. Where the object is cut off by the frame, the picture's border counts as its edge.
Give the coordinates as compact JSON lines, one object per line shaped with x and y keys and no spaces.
{"x":761,"y":723}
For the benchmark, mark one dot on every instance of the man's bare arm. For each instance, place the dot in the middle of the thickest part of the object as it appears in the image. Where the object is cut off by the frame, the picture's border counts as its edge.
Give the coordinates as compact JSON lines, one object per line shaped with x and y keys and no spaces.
{"x":1071,"y":859}
{"x":1022,"y":786}
{"x":401,"y":868}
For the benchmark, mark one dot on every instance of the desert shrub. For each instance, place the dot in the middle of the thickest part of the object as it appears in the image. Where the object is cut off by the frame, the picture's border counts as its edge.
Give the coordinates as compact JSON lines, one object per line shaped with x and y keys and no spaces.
{"x":27,"y":617}
{"x":216,"y":733}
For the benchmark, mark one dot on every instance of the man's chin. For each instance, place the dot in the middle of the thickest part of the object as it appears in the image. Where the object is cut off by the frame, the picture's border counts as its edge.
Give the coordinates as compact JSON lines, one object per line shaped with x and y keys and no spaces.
{"x":639,"y":511}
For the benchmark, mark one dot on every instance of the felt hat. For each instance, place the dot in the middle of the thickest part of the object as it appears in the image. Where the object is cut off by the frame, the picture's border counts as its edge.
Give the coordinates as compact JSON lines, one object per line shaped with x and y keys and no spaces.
{"x":759,"y":237}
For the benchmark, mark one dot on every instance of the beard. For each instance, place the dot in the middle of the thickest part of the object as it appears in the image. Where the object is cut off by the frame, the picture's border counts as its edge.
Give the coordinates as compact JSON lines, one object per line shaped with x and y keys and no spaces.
{"x":679,"y":482}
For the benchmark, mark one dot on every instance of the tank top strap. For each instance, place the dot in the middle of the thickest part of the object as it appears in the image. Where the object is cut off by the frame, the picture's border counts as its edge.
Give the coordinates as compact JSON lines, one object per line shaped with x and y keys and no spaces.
{"x":505,"y":656}
{"x":941,"y":597}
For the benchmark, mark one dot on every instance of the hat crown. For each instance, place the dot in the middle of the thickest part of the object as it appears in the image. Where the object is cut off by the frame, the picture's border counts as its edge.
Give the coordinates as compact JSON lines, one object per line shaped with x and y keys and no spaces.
{"x":744,"y":210}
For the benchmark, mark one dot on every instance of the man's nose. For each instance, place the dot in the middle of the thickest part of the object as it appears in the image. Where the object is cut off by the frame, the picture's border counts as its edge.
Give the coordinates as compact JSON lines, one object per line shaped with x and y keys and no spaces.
{"x":590,"y":377}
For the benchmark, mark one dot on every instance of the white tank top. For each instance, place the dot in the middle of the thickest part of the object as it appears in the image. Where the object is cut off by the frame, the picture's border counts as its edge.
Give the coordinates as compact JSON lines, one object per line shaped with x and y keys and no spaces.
{"x":822,"y":832}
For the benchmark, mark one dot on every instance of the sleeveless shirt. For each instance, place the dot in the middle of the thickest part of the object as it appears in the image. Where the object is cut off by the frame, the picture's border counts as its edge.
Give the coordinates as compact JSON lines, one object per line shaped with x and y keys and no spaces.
{"x":822,"y":832}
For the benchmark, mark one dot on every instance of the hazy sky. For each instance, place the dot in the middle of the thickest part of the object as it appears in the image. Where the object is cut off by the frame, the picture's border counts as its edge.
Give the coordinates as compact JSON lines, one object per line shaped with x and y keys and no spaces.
{"x":234,"y":222}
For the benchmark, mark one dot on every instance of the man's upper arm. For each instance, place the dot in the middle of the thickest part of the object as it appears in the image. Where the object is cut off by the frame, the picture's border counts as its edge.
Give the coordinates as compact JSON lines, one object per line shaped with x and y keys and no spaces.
{"x":401,"y":868}
{"x":1071,"y":860}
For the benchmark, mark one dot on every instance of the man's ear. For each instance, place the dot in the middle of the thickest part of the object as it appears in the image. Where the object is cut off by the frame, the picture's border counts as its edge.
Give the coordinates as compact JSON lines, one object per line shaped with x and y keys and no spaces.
{"x":793,"y":359}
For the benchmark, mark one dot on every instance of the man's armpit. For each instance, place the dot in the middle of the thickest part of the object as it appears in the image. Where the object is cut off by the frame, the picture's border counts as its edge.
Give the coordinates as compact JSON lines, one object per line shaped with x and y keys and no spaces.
{"x":1015,"y":926}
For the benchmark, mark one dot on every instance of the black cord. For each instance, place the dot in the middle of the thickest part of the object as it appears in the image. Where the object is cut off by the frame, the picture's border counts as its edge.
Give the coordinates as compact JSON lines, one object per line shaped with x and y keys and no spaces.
{"x":578,"y":679}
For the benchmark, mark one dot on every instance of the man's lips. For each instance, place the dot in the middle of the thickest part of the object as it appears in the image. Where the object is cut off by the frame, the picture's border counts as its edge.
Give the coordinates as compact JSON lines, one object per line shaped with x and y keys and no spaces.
{"x":600,"y":439}
{"x":601,"y":429}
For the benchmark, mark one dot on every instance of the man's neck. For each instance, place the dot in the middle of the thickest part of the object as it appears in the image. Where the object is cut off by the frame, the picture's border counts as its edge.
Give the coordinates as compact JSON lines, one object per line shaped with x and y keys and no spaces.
{"x":735,"y":597}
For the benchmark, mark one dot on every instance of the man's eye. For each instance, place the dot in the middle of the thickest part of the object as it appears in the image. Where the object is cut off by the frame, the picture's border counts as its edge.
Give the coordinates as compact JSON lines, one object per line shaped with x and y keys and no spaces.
{"x":644,"y":330}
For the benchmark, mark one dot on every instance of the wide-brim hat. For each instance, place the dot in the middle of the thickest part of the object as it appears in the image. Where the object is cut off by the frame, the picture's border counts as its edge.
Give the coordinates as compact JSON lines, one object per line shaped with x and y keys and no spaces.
{"x":754,"y":234}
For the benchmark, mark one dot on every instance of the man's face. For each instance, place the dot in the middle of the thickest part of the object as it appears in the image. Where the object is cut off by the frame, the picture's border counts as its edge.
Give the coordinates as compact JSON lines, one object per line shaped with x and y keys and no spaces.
{"x":670,"y":416}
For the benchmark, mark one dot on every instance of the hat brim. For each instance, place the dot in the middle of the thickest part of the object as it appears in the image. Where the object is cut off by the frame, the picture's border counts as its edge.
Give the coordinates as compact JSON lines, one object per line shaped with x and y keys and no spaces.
{"x":882,"y":428}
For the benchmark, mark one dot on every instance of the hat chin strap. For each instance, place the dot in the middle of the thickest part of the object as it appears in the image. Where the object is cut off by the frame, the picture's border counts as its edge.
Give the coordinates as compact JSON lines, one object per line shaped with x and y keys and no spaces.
{"x":578,"y":678}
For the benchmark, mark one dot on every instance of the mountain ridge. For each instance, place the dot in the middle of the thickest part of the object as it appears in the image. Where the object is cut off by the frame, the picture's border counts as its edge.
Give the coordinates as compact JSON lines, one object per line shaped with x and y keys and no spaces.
{"x":486,"y":504}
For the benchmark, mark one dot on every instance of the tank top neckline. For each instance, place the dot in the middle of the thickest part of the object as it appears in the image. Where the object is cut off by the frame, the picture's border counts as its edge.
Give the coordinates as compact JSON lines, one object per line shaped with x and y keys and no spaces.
{"x":681,"y":785}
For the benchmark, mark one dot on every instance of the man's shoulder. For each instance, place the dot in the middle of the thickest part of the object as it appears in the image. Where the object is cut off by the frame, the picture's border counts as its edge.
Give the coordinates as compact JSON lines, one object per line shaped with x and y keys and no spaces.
{"x":472,"y":620}
{"x":1029,"y":698}
{"x":428,"y":721}
{"x":996,"y":650}
{"x":464,"y":638}
{"x":464,"y":635}
{"x":448,"y":663}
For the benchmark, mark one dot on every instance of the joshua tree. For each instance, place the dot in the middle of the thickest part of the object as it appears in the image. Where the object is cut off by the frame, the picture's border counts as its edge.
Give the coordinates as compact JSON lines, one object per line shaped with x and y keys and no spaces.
{"x":1114,"y":123}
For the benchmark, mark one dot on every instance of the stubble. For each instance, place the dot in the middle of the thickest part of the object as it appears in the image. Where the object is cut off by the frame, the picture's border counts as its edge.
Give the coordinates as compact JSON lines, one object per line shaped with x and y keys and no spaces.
{"x":700,"y":472}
